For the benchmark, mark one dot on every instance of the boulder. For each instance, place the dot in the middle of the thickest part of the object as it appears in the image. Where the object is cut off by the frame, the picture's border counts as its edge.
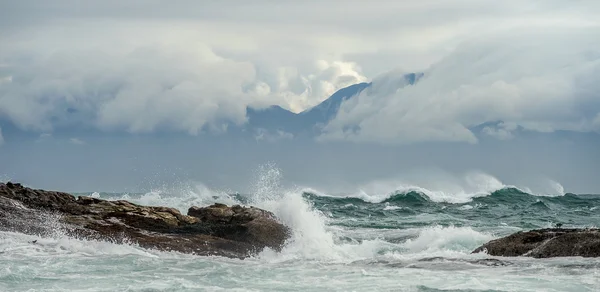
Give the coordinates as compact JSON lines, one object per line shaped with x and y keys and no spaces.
{"x":546,"y":243}
{"x":218,"y":229}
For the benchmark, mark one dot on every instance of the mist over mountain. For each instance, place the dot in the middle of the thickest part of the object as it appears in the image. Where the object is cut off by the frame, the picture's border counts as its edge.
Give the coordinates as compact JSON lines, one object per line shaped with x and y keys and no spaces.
{"x":311,"y":120}
{"x":229,"y":157}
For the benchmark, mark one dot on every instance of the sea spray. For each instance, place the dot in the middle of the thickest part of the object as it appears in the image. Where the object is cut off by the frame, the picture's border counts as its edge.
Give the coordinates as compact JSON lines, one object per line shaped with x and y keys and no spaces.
{"x":405,"y":242}
{"x":439,"y":238}
{"x":179,"y":196}
{"x":449,"y":189}
{"x":310,"y":239}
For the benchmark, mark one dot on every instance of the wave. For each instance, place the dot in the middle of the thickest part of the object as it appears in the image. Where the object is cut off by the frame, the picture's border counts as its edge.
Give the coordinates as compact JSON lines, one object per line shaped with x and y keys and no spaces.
{"x":180,"y":196}
{"x":314,"y":237}
{"x":420,"y":197}
{"x":314,"y":216}
{"x":439,"y":238}
{"x":267,"y":187}
{"x":318,"y":235}
{"x":445,"y":190}
{"x":18,"y":245}
{"x":420,"y":202}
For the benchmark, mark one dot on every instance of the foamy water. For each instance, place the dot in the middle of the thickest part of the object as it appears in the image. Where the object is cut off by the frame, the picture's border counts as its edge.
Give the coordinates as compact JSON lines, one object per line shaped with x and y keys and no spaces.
{"x":455,"y":190}
{"x":336,"y":246}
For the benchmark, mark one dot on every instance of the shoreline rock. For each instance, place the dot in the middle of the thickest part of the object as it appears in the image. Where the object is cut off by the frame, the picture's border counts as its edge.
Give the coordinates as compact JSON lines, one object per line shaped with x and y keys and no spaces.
{"x":219,"y":230}
{"x":546,"y":243}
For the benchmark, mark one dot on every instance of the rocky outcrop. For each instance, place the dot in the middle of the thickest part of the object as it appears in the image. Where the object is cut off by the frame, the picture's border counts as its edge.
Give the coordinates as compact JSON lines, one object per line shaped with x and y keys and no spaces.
{"x":546,"y":243}
{"x":218,"y":229}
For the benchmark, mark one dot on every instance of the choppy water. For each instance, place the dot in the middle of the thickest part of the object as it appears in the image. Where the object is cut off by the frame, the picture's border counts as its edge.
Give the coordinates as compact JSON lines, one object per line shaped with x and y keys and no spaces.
{"x":410,"y":239}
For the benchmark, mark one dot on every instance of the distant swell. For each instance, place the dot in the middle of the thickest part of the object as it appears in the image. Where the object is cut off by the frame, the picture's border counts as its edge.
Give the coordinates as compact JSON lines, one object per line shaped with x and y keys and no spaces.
{"x":410,"y":197}
{"x":505,"y":194}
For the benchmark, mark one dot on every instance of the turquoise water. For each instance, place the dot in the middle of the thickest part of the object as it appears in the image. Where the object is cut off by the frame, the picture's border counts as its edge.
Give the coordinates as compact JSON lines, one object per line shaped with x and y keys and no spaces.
{"x":403,"y":240}
{"x":502,"y":210}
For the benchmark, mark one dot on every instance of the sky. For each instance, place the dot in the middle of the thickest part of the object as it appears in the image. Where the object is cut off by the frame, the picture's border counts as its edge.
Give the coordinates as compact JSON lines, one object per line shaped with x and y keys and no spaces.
{"x":164,"y":69}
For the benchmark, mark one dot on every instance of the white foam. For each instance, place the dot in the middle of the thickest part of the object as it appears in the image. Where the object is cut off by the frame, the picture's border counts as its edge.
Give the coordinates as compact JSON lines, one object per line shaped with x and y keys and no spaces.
{"x":390,"y":208}
{"x":19,"y":245}
{"x":180,"y":197}
{"x":559,"y":190}
{"x":312,"y":237}
{"x":551,"y":188}
{"x":314,"y":258}
{"x":447,"y":189}
{"x":437,"y":238}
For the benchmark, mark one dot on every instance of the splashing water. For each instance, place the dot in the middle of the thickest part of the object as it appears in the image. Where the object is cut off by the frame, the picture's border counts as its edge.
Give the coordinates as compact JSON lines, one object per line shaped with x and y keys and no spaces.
{"x":558,"y":189}
{"x":373,"y":241}
{"x":268,"y":184}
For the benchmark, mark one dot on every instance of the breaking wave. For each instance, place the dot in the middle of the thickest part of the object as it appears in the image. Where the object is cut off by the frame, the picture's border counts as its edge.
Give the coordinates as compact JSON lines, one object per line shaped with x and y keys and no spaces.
{"x":419,"y":196}
{"x":408,"y":223}
{"x":445,"y":190}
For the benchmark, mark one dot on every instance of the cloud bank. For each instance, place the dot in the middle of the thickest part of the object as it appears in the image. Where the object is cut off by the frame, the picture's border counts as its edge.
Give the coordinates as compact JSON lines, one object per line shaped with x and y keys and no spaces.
{"x":144,"y":67}
{"x":538,"y":80}
{"x":176,"y":86}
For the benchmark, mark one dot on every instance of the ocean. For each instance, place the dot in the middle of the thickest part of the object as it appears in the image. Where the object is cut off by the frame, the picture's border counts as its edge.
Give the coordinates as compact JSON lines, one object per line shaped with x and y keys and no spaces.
{"x":405,"y":239}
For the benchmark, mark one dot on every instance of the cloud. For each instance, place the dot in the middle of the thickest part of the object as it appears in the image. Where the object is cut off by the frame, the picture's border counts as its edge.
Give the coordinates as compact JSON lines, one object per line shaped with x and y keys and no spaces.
{"x":541,"y":81}
{"x":178,"y":85}
{"x":129,"y":66}
{"x":297,"y":91}
{"x":1,"y":137}
{"x":502,"y":131}
{"x":157,"y":87}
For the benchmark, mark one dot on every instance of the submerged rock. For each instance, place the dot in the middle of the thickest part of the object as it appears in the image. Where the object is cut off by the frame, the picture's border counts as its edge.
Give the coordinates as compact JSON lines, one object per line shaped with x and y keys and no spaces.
{"x":546,"y":243}
{"x":218,"y":229}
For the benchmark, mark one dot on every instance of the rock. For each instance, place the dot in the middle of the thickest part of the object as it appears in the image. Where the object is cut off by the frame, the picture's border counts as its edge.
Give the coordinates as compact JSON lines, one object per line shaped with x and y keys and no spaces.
{"x":218,"y":229}
{"x":546,"y":243}
{"x":251,"y":224}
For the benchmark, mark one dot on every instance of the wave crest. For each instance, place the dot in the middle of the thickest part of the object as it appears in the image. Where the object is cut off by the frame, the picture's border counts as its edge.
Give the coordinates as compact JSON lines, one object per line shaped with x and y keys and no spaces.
{"x":472,"y":186}
{"x":420,"y":196}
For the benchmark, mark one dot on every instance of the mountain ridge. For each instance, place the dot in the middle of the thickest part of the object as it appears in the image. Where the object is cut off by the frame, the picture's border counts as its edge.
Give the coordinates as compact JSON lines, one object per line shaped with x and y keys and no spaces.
{"x":276,"y":118}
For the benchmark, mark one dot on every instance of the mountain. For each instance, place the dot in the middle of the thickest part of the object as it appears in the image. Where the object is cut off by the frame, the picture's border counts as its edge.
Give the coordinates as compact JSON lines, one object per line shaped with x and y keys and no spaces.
{"x":276,"y":118}
{"x":272,"y":118}
{"x":328,"y":109}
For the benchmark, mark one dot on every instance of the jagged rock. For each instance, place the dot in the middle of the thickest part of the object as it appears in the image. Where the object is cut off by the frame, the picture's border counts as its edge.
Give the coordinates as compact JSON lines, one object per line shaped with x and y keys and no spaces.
{"x":546,"y":243}
{"x":220,"y":230}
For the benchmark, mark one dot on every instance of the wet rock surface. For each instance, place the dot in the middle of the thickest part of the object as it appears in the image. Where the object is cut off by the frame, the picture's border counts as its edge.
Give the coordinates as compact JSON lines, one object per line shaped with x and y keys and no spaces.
{"x":218,"y":229}
{"x":546,"y":243}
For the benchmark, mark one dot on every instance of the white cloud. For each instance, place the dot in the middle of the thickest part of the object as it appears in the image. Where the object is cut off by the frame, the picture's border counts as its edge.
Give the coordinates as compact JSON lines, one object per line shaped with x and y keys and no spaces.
{"x":126,"y":65}
{"x":298,"y":92}
{"x":1,"y":137}
{"x":541,"y":81}
{"x":503,"y":131}
{"x":178,"y":84}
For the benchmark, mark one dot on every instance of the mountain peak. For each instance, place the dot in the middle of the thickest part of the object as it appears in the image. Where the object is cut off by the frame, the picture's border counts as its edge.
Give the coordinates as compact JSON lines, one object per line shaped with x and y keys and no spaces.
{"x":278,"y":118}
